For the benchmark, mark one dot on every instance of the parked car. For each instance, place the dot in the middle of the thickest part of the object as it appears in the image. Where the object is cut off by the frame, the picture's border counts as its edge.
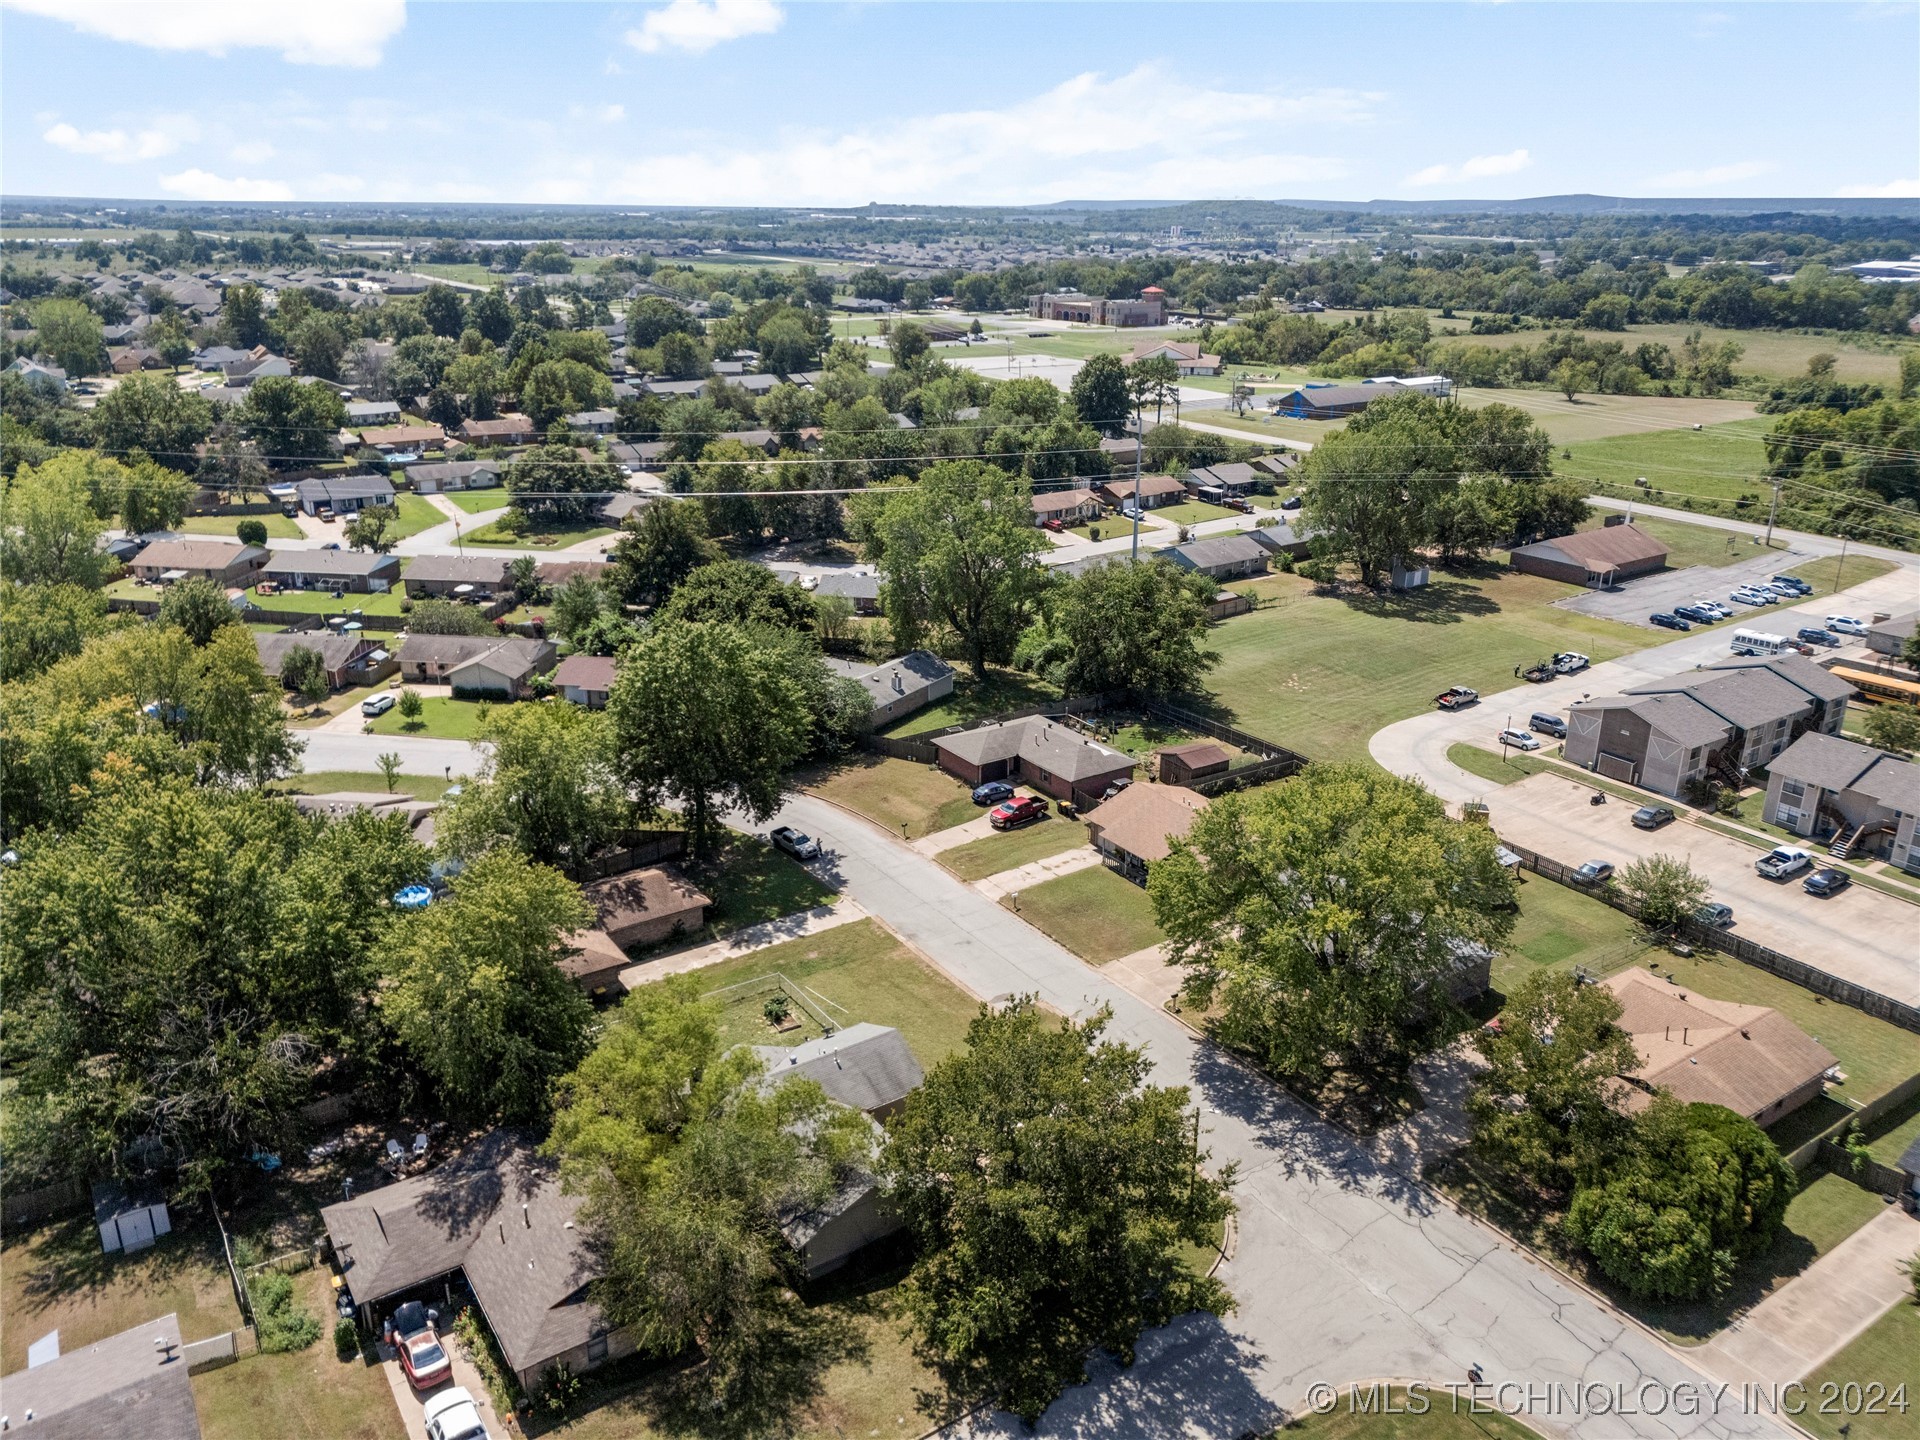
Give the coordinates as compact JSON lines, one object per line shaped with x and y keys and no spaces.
{"x":1570,"y":662}
{"x":331,"y":545}
{"x":1748,"y":595}
{"x":1652,"y":817}
{"x":1592,"y":873}
{"x":1826,"y":882}
{"x":374,"y":706}
{"x":1131,"y":511}
{"x":1292,"y":502}
{"x":1814,"y":635}
{"x":1791,"y":582}
{"x":1457,"y":698}
{"x":1695,"y":614}
{"x":796,"y":843}
{"x":1054,"y":523}
{"x":1518,"y":739}
{"x":992,"y":793}
{"x":1715,"y":915}
{"x":412,"y":1333}
{"x":1787,"y":860}
{"x":452,"y":1415}
{"x":1017,"y":812}
{"x":1845,"y":625}
{"x":1667,"y":622}
{"x":1546,"y":724}
{"x":1715,"y":609}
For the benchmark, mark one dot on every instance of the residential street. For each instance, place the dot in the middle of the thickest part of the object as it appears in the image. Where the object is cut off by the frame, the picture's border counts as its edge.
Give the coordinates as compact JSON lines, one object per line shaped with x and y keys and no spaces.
{"x":1346,"y":1270}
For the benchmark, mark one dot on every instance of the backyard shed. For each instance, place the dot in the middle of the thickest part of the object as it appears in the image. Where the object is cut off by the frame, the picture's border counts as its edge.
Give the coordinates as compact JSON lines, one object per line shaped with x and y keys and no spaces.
{"x":130,"y":1218}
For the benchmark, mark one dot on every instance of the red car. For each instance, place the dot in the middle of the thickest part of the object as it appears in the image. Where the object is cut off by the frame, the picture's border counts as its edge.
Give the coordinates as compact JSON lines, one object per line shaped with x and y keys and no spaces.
{"x":411,"y":1332}
{"x":1017,"y":811}
{"x":1055,"y":524}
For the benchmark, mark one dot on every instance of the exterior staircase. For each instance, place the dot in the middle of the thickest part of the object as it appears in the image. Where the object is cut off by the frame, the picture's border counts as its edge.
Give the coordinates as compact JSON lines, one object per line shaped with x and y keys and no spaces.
{"x":1845,"y":842}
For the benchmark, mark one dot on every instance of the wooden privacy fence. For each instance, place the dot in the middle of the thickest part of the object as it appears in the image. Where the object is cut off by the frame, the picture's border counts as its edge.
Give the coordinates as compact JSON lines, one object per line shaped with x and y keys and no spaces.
{"x":1811,"y":1150}
{"x":1881,"y":1007}
{"x":24,"y":1207}
{"x":646,"y":847}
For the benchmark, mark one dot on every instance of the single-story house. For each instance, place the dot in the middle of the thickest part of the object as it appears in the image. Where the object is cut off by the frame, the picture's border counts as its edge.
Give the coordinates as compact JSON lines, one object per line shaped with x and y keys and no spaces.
{"x":1888,"y":637}
{"x":1186,"y":354}
{"x":258,"y":364}
{"x":131,"y":1384}
{"x":47,"y":378}
{"x":217,"y":357}
{"x":615,"y":509}
{"x":507,"y":430}
{"x":644,"y":455}
{"x":390,"y":439}
{"x":1069,"y":507}
{"x":1278,"y":466}
{"x":1328,"y":402}
{"x":1122,"y":451}
{"x":215,"y":560}
{"x":441,"y":576}
{"x":1036,"y":751}
{"x":475,"y":662}
{"x":1868,"y":800}
{"x":345,"y":658}
{"x":1133,"y":828}
{"x":585,"y":680}
{"x":911,"y":683}
{"x":1281,"y":539}
{"x":361,"y":571}
{"x":1222,"y":557}
{"x":592,"y":422}
{"x":558,"y":572}
{"x":344,"y":494}
{"x":131,"y":359}
{"x":496,"y":1214}
{"x":1738,"y":715}
{"x":1154,"y":491}
{"x":437,"y":476}
{"x":372,"y":412}
{"x":594,"y":962}
{"x":862,"y":590}
{"x":1751,"y":1059}
{"x":644,"y":907}
{"x":758,"y":438}
{"x":1183,"y":764}
{"x":1614,"y":552}
{"x":1233,"y":480}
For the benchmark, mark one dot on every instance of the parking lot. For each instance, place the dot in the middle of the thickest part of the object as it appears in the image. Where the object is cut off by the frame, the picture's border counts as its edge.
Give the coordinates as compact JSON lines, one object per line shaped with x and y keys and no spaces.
{"x":1861,"y":934}
{"x":1633,"y":600}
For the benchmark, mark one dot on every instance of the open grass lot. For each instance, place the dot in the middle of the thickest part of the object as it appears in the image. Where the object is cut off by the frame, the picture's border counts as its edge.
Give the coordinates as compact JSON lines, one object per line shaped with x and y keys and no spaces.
{"x":327,"y":782}
{"x":416,"y":514}
{"x":851,"y":973}
{"x":477,"y":502}
{"x":1774,"y":354}
{"x":1443,"y":1420}
{"x":56,"y":1277}
{"x":1010,"y":849}
{"x":312,"y":1393}
{"x":1192,"y":512}
{"x":279,"y":527}
{"x":319,"y":602}
{"x":971,"y":699}
{"x":896,"y":794}
{"x":1093,"y":913}
{"x":1590,"y":417}
{"x":1262,"y":424}
{"x":440,"y":715}
{"x":751,"y":882}
{"x":1888,"y":1353}
{"x":1828,"y":576}
{"x":534,"y":536}
{"x":1558,"y":929}
{"x":1321,"y":672}
{"x":1689,"y":545}
{"x":1721,"y":461}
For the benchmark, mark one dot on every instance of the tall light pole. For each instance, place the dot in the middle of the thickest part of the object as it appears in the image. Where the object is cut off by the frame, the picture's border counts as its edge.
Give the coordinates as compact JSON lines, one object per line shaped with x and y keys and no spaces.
{"x":1841,"y":564}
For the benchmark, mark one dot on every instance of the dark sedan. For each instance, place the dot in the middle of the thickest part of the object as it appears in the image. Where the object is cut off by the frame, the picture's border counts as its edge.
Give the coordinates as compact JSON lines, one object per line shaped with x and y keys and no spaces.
{"x":1652,"y":817}
{"x":1667,"y":622}
{"x":992,"y":793}
{"x":1826,"y":882}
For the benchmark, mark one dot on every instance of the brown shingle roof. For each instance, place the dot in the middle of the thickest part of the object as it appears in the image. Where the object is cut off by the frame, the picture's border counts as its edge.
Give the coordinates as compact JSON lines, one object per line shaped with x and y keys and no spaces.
{"x":1197,"y":753}
{"x":197,"y":555}
{"x":585,"y":672}
{"x":1602,"y":549}
{"x":1141,"y":818}
{"x":641,"y":897}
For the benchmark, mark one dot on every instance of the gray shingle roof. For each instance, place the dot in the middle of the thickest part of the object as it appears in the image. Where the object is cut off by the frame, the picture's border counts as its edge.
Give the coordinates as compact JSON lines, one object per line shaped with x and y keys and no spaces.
{"x":1683,"y":718}
{"x":1748,"y":694}
{"x":120,"y":1386}
{"x":865,"y":1066}
{"x":330,"y":562}
{"x":854,"y":587}
{"x":1218,"y":550}
{"x":916,"y":671}
{"x":1037,"y":741}
{"x":1835,"y":764}
{"x":460,"y":569}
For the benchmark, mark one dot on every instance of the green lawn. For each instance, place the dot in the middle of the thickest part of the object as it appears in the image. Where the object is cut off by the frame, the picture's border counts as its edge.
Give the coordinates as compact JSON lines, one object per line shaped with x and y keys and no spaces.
{"x":1689,"y":545}
{"x":321,"y":602}
{"x":327,"y":782}
{"x":1886,"y":1354}
{"x":477,"y":502}
{"x":1773,"y":354}
{"x":1362,"y":1415}
{"x":1011,"y":849}
{"x":1093,"y":913}
{"x":535,"y":535}
{"x":972,"y":699}
{"x":416,"y":514}
{"x":1718,"y":461}
{"x":312,"y":1393}
{"x":1560,"y":928}
{"x":1827,"y":576}
{"x":1321,"y":672}
{"x":440,"y":715}
{"x":850,"y":973}
{"x":752,"y":882}
{"x":896,"y":794}
{"x":279,"y":527}
{"x":1192,"y":512}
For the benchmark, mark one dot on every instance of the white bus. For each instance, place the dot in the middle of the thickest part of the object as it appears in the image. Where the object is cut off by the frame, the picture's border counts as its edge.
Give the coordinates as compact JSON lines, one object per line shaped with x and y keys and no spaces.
{"x":1758,"y":642}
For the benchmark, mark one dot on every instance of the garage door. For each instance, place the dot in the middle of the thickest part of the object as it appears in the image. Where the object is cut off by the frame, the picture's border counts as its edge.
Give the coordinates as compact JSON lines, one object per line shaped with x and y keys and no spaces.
{"x":1614,"y":767}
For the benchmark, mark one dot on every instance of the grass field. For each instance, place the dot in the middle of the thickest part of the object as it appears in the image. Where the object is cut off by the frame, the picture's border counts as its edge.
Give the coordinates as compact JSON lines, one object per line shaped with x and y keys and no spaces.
{"x":416,"y":514}
{"x":1893,"y":1132}
{"x":326,"y":782}
{"x":971,"y":699}
{"x":1011,"y":849}
{"x":440,"y":715}
{"x":897,"y":793}
{"x":279,"y":527}
{"x":56,"y":1277}
{"x":1445,"y":1419}
{"x":477,"y":502}
{"x":1772,"y":354}
{"x":495,"y":534}
{"x":1827,"y":576}
{"x":1093,"y":913}
{"x":1722,"y":461}
{"x":312,"y":1393}
{"x":751,"y":882}
{"x":1689,"y":545}
{"x":1321,"y":672}
{"x":321,"y":602}
{"x":1263,"y":425}
{"x":852,"y":973}
{"x":1560,"y":928}
{"x":1592,"y":417}
{"x":1192,"y":512}
{"x":1887,"y":1353}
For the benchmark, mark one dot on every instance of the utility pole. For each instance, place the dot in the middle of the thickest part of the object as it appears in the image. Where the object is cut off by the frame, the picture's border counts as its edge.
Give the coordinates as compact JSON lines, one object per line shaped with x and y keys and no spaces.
{"x":1772,"y":510}
{"x":1138,"y":425}
{"x":1841,"y":565}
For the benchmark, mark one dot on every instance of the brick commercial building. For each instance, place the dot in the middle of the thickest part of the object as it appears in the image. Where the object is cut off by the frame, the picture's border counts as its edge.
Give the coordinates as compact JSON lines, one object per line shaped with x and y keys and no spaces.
{"x":1612,"y":553}
{"x":1072,"y":306}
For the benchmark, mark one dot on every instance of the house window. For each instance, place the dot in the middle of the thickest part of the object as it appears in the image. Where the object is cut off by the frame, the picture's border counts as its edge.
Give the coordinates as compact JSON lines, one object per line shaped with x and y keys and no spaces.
{"x":1793,"y":791}
{"x":596,"y":1347}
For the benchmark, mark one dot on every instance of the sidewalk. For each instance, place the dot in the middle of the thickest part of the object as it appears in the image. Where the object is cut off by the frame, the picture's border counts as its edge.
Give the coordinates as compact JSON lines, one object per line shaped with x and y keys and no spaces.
{"x":1790,"y":1333}
{"x":743,"y":942}
{"x":1051,"y":868}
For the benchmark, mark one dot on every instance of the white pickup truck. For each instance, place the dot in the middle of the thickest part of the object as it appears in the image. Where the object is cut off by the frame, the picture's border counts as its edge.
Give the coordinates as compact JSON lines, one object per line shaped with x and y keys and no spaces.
{"x":1779,"y":864}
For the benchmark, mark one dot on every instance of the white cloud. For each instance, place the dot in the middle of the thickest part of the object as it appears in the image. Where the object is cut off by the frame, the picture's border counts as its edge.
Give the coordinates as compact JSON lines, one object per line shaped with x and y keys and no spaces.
{"x":202,"y":185}
{"x":1892,"y":190}
{"x":699,"y":25}
{"x":599,"y":114}
{"x":252,"y":152}
{"x":1142,"y":134}
{"x":340,"y":32}
{"x":1480,"y":167}
{"x":162,"y":137}
{"x":1709,"y":176}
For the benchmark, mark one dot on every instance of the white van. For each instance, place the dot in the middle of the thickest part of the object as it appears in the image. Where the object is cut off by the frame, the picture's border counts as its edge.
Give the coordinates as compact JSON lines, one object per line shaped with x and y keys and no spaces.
{"x":1758,"y":642}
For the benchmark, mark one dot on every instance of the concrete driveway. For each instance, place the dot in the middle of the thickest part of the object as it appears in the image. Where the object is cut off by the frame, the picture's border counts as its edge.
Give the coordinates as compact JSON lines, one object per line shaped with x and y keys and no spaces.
{"x":1861,"y":935}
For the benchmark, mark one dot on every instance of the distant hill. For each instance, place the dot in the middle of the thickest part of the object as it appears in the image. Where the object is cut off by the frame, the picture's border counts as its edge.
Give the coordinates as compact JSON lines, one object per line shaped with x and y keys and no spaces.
{"x":1551,"y":205}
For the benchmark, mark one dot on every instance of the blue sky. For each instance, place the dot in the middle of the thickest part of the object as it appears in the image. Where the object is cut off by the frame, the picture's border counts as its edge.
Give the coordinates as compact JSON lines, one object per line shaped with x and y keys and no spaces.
{"x":762,"y":101}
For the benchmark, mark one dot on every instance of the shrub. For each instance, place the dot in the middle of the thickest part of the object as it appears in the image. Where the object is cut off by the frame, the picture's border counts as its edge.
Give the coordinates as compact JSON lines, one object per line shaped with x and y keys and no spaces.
{"x":281,"y":1323}
{"x":777,"y":1009}
{"x":559,"y":1387}
{"x":251,"y":532}
{"x":346,"y":1338}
